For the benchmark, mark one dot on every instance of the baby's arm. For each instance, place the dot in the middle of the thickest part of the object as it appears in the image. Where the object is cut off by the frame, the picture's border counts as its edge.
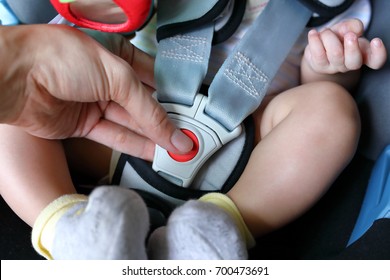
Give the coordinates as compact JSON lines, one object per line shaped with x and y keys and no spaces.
{"x":336,"y":54}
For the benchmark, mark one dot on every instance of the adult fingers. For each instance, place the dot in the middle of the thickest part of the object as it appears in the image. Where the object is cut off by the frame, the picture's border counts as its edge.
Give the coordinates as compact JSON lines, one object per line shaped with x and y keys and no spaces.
{"x":117,"y":114}
{"x":128,"y":91}
{"x":154,"y":122}
{"x":142,"y":63}
{"x":122,"y":139}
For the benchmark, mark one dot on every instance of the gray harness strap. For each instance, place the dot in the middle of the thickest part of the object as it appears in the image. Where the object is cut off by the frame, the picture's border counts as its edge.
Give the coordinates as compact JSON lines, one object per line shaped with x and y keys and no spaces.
{"x":181,"y":65}
{"x":243,"y":80}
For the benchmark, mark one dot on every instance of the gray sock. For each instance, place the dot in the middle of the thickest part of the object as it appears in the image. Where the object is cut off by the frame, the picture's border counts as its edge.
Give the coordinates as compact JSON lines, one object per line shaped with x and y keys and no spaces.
{"x":112,"y":224}
{"x":198,"y":230}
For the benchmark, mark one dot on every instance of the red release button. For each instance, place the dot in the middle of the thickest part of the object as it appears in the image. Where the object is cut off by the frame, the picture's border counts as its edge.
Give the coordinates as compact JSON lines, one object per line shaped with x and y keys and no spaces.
{"x":191,"y":154}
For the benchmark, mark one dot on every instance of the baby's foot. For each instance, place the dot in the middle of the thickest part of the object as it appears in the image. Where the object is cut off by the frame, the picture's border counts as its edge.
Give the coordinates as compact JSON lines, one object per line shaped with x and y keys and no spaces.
{"x":111,"y":224}
{"x":198,"y":230}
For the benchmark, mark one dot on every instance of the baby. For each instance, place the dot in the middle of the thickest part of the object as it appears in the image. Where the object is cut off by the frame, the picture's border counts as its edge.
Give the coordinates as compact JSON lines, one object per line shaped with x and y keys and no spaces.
{"x":298,"y":125}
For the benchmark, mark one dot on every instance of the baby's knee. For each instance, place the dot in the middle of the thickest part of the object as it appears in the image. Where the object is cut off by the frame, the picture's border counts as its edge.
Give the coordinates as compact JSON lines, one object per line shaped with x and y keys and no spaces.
{"x":336,"y":111}
{"x":336,"y":102}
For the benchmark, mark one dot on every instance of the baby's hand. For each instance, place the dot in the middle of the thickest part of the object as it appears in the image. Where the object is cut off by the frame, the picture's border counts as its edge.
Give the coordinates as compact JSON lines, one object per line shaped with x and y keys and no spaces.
{"x":341,"y":49}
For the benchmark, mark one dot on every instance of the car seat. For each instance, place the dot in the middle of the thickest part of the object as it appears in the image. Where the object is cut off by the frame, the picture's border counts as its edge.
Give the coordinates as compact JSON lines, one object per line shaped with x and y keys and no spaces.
{"x":324,"y":231}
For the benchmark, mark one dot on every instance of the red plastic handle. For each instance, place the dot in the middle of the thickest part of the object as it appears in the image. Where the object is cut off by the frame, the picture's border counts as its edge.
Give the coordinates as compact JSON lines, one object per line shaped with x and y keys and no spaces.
{"x":137,"y":12}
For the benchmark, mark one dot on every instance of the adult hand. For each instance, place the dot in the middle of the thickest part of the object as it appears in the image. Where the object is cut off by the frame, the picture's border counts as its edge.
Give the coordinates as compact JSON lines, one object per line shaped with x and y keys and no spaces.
{"x":56,"y":82}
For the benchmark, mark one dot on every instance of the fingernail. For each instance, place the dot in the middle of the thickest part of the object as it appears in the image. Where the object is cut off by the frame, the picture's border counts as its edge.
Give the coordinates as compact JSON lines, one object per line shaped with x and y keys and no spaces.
{"x":312,"y":32}
{"x":350,"y":38}
{"x":181,"y":141}
{"x":377,"y":42}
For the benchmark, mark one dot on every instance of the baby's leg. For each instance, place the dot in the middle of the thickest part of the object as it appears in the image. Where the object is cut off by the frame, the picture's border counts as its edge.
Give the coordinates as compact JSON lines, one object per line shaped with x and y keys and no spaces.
{"x":307,"y":136}
{"x":111,"y":223}
{"x":33,"y":172}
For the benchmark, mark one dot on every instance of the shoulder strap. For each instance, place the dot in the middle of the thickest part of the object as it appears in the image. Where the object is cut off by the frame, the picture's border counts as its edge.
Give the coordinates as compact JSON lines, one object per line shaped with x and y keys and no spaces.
{"x":243,"y":80}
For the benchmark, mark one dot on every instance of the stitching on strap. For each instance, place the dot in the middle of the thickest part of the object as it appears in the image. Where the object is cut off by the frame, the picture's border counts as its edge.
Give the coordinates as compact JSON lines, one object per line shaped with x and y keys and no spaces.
{"x":243,"y":73}
{"x":186,"y":48}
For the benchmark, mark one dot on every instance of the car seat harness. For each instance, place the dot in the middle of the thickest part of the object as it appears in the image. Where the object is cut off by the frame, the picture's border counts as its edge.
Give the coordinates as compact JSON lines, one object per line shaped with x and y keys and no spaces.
{"x":185,"y":34}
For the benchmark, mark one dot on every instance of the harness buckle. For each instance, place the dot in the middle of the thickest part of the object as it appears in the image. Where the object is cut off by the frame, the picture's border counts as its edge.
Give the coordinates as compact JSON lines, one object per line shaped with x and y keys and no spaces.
{"x":207,"y":134}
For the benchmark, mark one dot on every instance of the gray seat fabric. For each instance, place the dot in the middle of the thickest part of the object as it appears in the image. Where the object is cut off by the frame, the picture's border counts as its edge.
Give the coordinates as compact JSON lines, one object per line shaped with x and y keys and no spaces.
{"x":32,"y":11}
{"x":373,"y":93}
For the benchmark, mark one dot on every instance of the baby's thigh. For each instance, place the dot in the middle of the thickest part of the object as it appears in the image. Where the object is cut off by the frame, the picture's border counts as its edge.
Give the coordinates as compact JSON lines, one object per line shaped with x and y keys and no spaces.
{"x":319,"y":104}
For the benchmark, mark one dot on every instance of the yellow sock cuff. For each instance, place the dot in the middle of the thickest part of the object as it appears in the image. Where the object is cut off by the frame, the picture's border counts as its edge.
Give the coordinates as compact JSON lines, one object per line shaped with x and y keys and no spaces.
{"x":224,"y":202}
{"x":44,"y":227}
